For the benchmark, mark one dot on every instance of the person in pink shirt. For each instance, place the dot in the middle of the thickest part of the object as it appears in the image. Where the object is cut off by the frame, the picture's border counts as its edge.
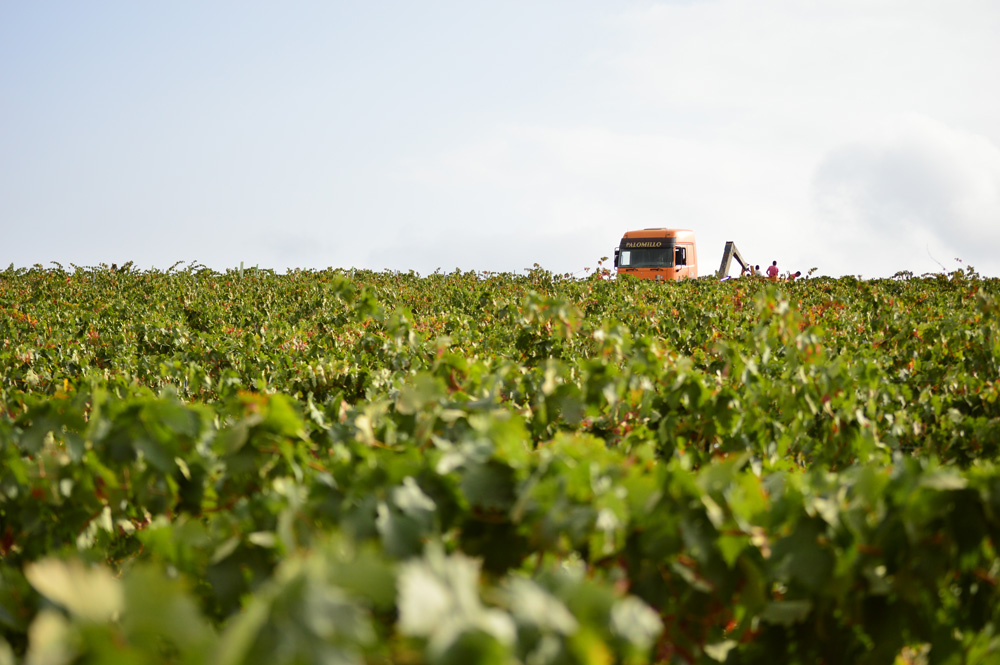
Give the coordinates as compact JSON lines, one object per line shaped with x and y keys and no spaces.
{"x":772,"y":270}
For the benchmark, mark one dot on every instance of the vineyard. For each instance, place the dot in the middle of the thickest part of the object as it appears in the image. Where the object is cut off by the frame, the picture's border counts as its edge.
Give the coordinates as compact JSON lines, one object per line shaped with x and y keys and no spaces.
{"x":360,"y":468}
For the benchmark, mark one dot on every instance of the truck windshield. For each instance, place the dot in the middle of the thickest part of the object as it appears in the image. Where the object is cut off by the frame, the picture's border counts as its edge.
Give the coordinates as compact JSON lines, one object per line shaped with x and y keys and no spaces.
{"x":647,"y":257}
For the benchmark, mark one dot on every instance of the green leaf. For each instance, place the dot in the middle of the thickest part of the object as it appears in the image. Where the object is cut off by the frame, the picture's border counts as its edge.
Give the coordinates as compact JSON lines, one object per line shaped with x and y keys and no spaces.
{"x":720,"y":650}
{"x":943,"y":480}
{"x":731,"y":546}
{"x":439,"y":600}
{"x":281,"y":416}
{"x":636,"y":622}
{"x":410,"y":499}
{"x":786,"y":612}
{"x":422,"y":390}
{"x":534,"y":606}
{"x":91,"y":593}
{"x":161,"y":610}
{"x":488,"y":486}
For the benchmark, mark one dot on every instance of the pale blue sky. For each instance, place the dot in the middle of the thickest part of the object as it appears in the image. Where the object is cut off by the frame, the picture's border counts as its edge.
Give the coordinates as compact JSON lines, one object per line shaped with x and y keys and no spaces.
{"x":855,"y":136}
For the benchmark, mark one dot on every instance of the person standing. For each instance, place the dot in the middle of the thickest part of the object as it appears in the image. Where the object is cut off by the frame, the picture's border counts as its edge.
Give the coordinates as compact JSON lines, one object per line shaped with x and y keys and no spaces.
{"x":772,"y":270}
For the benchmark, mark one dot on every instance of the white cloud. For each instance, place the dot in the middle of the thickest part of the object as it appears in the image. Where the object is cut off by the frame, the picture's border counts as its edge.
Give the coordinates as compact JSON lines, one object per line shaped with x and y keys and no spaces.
{"x":919,"y":187}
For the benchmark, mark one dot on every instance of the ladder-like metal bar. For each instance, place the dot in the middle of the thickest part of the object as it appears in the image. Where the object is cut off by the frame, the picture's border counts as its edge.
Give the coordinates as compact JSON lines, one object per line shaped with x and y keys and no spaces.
{"x":728,"y":255}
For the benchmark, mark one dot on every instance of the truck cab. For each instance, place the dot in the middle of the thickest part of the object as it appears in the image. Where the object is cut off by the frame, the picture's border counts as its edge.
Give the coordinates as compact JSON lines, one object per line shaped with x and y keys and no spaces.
{"x":659,"y":254}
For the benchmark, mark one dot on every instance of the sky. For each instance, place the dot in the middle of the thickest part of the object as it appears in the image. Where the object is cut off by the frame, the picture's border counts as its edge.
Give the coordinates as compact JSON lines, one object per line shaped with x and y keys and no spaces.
{"x":853,"y":137}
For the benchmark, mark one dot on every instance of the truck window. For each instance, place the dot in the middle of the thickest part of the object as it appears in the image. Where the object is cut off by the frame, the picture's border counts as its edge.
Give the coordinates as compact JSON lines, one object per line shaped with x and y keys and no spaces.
{"x":647,"y":257}
{"x":680,"y":256}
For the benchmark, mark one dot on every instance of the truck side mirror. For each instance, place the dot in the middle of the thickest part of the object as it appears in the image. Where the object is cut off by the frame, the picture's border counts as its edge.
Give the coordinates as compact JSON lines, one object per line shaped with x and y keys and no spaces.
{"x":616,"y":257}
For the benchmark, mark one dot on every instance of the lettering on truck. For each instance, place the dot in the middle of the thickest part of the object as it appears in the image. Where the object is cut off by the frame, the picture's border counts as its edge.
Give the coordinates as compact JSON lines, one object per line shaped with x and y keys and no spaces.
{"x":632,"y":244}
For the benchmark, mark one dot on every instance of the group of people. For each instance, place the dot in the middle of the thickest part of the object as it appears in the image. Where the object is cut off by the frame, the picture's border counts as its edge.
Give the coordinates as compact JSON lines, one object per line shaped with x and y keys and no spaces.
{"x":772,"y":272}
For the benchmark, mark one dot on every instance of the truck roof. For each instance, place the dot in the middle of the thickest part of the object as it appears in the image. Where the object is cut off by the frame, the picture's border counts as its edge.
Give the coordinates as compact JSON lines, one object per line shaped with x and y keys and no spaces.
{"x":657,"y":233}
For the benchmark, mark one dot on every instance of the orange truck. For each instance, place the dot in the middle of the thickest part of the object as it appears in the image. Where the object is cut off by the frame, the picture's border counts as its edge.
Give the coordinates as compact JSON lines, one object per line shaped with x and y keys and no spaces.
{"x":663,"y":254}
